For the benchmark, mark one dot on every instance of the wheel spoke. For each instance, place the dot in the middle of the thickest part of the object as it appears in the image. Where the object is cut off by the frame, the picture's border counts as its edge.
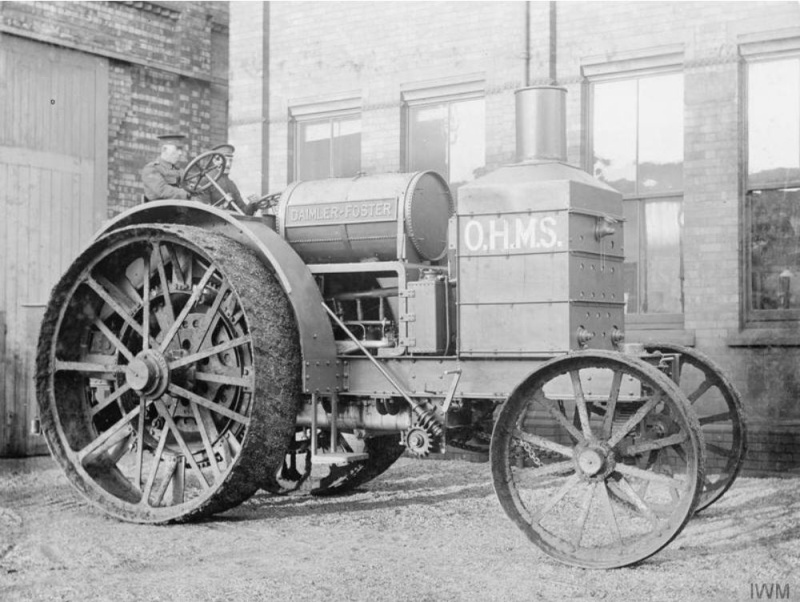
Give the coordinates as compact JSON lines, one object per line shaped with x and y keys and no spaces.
{"x":608,"y":510}
{"x":88,"y":367}
{"x":151,"y":479}
{"x":171,"y":463}
{"x":177,"y":270}
{"x":721,"y":451}
{"x":124,"y":313}
{"x":701,"y":390}
{"x":543,"y":443}
{"x":721,"y":417}
{"x":186,"y":308}
{"x":624,"y":490}
{"x":553,"y":469}
{"x":210,"y":318}
{"x":162,"y":276}
{"x":550,"y":405}
{"x":164,"y":412}
{"x":633,"y":471}
{"x":102,"y":441}
{"x":586,"y":505}
{"x":580,"y":403}
{"x":640,"y":448}
{"x":111,"y":399}
{"x":212,"y":458}
{"x":223,"y":379}
{"x":140,"y":442}
{"x":611,"y":406}
{"x":196,"y":357}
{"x":146,"y":304}
{"x":113,"y":339}
{"x":556,"y":497}
{"x":215,"y":407}
{"x":635,"y":419}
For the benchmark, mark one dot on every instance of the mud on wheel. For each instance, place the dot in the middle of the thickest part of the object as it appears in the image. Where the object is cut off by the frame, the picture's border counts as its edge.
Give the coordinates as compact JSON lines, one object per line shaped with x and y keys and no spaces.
{"x":167,"y":373}
{"x":598,"y":458}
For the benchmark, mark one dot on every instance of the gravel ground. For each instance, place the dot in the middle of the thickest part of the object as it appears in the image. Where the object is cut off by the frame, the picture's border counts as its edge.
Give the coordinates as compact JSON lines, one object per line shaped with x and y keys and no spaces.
{"x":425,"y":530}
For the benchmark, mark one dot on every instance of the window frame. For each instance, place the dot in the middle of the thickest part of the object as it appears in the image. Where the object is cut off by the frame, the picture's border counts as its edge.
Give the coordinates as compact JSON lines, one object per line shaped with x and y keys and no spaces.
{"x":752,"y":53}
{"x":626,"y":67}
{"x":303,"y":113}
{"x":429,"y":94}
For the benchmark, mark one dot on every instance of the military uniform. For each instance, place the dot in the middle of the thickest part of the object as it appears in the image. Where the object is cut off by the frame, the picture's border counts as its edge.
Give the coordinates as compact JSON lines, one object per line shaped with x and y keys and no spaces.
{"x":212,"y":196}
{"x":161,"y":181}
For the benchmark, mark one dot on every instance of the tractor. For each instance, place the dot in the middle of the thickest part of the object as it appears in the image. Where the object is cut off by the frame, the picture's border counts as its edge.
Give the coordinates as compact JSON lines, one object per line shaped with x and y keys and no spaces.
{"x":191,"y":355}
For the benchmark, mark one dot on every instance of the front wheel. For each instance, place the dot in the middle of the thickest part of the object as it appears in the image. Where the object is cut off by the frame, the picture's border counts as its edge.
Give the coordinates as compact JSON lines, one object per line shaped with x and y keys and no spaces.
{"x":598,"y":458}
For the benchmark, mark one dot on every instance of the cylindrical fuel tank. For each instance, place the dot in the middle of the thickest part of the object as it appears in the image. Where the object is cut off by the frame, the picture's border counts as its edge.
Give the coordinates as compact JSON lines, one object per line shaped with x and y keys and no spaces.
{"x":386,"y":217}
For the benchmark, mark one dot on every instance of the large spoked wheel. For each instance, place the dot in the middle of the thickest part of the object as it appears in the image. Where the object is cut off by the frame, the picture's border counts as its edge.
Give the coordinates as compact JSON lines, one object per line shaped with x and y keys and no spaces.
{"x":719,"y":408}
{"x":202,"y":171}
{"x":383,"y":450}
{"x":598,"y":458}
{"x":167,"y":373}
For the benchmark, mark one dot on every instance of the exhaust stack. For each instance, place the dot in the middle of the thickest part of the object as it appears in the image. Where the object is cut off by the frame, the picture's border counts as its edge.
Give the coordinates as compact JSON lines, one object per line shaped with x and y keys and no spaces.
{"x":541,"y":124}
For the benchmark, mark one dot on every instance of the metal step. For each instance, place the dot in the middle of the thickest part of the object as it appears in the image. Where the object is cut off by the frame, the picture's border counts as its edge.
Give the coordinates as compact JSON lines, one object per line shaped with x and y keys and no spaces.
{"x":337,"y":458}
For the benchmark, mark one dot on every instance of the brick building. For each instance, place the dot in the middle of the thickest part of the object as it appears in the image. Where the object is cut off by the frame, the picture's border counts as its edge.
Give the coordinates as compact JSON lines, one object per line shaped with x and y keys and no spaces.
{"x":85,"y":89}
{"x":690,"y":109}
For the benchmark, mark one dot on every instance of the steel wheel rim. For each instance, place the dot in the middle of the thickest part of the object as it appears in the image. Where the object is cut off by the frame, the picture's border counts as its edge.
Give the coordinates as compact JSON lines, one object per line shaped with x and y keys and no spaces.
{"x":599,"y":501}
{"x":187,"y":400}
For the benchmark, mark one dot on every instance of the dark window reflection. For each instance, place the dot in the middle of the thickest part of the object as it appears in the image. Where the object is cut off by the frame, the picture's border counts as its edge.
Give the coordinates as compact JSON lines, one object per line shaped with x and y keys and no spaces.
{"x":774,"y":248}
{"x":448,"y":138}
{"x":329,"y":148}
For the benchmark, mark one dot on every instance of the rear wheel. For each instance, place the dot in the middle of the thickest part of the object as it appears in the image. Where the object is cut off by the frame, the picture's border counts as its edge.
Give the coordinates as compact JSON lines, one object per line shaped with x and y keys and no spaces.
{"x":719,"y":408}
{"x":167,"y":373}
{"x":598,"y":458}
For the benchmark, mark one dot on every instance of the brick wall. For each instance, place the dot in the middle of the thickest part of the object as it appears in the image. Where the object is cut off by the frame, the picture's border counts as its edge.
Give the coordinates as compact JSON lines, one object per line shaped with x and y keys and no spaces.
{"x":167,"y":72}
{"x":375,"y":51}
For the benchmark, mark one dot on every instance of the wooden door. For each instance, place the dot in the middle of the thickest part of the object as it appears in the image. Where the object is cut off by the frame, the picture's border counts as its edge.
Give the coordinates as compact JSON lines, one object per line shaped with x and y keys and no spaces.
{"x":53,"y":187}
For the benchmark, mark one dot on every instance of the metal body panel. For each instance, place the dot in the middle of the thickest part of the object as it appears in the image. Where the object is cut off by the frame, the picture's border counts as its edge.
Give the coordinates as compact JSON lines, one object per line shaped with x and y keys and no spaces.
{"x":431,"y":377}
{"x":316,"y":334}
{"x":383,"y":217}
{"x":539,"y":251}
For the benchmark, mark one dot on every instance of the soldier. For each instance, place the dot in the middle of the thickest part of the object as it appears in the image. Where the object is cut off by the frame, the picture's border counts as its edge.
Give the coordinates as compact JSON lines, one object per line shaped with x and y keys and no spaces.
{"x":212,"y":196}
{"x":160,"y":177}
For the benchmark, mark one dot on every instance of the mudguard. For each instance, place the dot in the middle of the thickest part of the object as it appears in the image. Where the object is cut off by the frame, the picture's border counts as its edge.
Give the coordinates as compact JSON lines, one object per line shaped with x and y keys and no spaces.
{"x":320,"y":368}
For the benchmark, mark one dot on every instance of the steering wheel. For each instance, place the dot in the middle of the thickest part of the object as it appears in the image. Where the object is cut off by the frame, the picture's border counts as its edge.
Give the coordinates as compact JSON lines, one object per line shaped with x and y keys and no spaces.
{"x":208,"y":166}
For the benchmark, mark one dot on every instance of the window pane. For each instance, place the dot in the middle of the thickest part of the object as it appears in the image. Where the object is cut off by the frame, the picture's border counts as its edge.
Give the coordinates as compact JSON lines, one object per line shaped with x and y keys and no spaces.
{"x":467,"y":140}
{"x":614,"y":130}
{"x":664,"y":275}
{"x":428,"y":139}
{"x":660,"y":134}
{"x":773,"y":119}
{"x":346,"y":147}
{"x":313,"y":150}
{"x":775,"y":249}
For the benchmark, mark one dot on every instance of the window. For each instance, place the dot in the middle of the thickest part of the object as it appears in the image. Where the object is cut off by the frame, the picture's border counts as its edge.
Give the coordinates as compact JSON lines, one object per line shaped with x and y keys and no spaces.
{"x":637,"y":142}
{"x":327,"y":146}
{"x":772,"y":202}
{"x":446,"y":132}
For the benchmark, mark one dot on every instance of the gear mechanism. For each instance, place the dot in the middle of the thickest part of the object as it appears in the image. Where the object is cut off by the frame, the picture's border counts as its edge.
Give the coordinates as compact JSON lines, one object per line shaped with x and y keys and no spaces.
{"x":418,"y":441}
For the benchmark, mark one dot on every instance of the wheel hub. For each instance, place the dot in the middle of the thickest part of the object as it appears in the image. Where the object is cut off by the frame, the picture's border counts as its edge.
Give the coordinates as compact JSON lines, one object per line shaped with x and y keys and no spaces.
{"x":148,"y":373}
{"x":594,"y":460}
